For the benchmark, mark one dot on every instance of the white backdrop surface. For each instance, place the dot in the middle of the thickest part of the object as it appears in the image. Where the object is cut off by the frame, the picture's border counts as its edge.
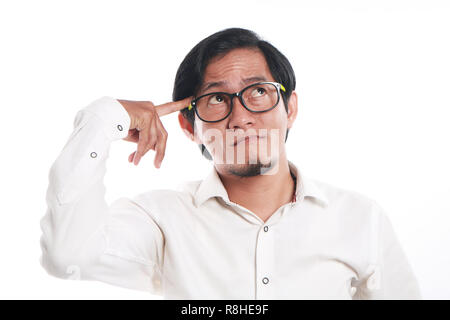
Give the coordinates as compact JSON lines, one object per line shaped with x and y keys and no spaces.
{"x":373,"y":79}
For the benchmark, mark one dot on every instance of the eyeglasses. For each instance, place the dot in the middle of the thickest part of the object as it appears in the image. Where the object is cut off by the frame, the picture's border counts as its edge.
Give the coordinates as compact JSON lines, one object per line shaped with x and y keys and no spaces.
{"x":258,"y":97}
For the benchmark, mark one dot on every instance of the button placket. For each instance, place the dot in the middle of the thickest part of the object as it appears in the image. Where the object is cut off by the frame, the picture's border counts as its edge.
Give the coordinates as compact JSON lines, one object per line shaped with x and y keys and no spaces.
{"x":265,"y":263}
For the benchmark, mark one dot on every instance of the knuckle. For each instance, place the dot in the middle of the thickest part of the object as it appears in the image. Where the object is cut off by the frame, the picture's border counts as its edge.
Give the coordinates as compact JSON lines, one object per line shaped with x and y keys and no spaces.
{"x":142,"y":122}
{"x":140,"y":149}
{"x":143,"y":135}
{"x":161,"y":143}
{"x":152,"y":142}
{"x":147,"y":148}
{"x":142,"y":143}
{"x":160,"y":153}
{"x":152,"y":137}
{"x":147,"y":114}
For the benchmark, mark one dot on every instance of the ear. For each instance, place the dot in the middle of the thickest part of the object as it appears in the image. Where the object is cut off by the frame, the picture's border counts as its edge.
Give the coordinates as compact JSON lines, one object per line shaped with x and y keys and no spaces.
{"x":292,"y":109}
{"x":187,"y":127}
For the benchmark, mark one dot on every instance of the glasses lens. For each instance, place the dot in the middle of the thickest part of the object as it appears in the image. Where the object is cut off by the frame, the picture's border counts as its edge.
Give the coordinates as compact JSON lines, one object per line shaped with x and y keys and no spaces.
{"x":213,"y":107}
{"x":260,"y":97}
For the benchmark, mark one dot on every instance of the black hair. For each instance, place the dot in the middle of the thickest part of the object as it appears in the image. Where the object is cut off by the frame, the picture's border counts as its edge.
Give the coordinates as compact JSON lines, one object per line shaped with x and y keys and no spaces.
{"x":190,"y":74}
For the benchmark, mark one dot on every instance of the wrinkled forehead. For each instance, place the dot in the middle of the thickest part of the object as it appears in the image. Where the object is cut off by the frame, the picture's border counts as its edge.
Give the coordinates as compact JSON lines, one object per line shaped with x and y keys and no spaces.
{"x":237,"y":68}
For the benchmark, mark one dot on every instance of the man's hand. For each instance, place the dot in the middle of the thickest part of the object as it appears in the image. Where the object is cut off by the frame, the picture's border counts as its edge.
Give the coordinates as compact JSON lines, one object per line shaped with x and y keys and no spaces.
{"x":146,"y":129}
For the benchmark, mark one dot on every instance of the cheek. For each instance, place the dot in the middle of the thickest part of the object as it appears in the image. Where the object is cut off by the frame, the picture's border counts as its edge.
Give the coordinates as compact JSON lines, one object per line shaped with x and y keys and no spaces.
{"x":276,"y":124}
{"x":274,"y":120}
{"x":209,"y":133}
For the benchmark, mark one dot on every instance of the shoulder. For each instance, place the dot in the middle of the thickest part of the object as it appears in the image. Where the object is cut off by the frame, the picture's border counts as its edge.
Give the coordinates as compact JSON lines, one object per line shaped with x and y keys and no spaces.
{"x":164,"y":201}
{"x":349,"y":204}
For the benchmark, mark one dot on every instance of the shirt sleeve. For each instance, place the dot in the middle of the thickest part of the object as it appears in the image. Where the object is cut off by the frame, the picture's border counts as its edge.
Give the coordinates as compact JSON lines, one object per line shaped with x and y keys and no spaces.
{"x":389,"y":274}
{"x":82,"y":236}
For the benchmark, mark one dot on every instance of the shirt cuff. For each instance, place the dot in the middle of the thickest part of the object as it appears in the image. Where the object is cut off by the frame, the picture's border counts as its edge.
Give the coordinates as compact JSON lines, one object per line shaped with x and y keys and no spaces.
{"x":116,"y":121}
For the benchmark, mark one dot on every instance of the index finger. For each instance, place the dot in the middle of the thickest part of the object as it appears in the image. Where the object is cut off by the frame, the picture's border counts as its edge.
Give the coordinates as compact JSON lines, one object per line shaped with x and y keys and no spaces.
{"x":170,"y":107}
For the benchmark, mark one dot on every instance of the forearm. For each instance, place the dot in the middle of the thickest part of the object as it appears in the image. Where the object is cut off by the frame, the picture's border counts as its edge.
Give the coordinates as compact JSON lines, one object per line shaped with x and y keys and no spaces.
{"x":77,"y":210}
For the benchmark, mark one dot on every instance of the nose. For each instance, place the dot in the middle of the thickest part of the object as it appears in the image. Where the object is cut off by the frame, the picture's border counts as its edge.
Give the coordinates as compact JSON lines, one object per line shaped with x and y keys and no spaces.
{"x":240,"y":117}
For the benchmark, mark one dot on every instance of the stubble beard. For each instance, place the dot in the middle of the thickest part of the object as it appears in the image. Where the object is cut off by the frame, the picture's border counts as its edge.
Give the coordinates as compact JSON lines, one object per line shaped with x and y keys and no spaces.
{"x":251,"y":169}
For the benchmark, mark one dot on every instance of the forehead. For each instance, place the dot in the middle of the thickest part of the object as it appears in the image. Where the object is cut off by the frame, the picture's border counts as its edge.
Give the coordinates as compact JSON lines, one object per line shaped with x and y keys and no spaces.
{"x":236,"y":66}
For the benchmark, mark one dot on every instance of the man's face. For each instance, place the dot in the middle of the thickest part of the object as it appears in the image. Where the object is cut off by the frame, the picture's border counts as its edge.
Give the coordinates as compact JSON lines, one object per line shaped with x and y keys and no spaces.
{"x":225,"y":140}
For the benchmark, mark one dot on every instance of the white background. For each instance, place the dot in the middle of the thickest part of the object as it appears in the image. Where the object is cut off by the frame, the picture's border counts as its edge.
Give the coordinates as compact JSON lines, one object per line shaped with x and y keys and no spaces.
{"x":373,"y":81}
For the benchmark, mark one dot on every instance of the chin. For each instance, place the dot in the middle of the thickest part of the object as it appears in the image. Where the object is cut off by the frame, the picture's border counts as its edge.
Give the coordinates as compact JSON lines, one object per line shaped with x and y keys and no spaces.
{"x":250,"y":169}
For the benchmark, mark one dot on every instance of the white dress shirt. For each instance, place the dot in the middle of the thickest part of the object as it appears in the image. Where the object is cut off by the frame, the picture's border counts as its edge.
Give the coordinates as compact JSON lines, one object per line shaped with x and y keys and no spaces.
{"x":194,"y":243}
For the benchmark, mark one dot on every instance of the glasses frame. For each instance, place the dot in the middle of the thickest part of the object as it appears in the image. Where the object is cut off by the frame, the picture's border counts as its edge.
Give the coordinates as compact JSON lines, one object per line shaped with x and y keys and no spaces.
{"x":193,"y":103}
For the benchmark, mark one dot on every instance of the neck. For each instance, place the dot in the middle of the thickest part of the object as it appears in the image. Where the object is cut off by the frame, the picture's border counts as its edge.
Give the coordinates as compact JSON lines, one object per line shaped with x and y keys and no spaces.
{"x":261,"y":194}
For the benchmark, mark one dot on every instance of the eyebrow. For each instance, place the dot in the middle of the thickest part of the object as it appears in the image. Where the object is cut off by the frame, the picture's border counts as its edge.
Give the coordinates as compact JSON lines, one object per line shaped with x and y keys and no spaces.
{"x":209,"y":85}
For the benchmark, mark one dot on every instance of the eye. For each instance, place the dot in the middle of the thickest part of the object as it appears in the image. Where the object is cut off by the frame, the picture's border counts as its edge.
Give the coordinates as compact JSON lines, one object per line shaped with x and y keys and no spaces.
{"x":258,"y":92}
{"x":216,"y":99}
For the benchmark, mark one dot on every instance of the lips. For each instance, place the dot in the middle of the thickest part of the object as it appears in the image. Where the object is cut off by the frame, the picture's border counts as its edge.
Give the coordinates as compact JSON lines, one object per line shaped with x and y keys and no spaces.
{"x":246,"y":138}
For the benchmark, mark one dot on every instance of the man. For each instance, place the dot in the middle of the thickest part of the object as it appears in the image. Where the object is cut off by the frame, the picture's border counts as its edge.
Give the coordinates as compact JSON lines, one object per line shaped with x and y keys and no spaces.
{"x":255,"y":228}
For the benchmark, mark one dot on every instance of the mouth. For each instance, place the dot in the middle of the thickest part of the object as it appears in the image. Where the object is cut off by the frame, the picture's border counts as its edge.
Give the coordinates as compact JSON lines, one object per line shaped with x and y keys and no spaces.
{"x":252,"y":138}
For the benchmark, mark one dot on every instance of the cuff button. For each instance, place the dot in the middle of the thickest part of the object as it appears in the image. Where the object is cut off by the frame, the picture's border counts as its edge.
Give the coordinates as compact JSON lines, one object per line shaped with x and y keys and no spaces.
{"x":93,"y":155}
{"x":119,"y":127}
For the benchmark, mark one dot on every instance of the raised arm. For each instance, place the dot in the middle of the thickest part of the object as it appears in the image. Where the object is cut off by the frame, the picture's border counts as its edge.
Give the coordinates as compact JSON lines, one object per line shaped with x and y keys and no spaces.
{"x":82,"y":236}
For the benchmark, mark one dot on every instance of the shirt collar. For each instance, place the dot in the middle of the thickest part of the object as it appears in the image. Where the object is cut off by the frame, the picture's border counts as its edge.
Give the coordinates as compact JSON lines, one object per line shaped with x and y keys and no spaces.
{"x":307,"y":188}
{"x":212,"y":186}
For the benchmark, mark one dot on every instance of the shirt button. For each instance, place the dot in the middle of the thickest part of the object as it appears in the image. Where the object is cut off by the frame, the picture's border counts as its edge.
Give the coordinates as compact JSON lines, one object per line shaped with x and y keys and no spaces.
{"x":266,"y":228}
{"x":119,"y":127}
{"x":93,"y":154}
{"x":265,"y":280}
